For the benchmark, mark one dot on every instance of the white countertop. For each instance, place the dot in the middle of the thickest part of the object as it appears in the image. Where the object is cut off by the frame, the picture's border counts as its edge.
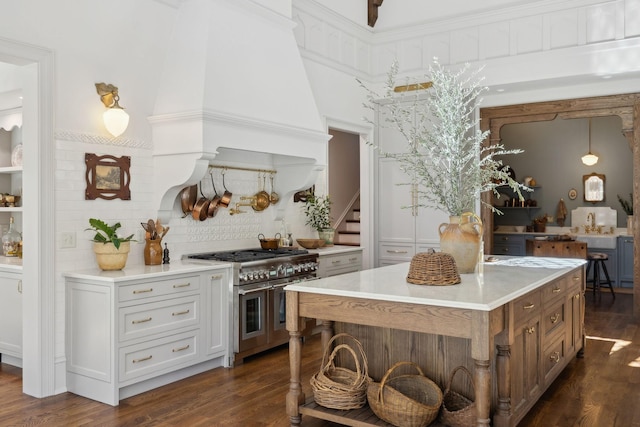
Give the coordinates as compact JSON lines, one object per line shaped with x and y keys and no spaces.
{"x":336,"y":249}
{"x":502,"y":281}
{"x":132,"y":272}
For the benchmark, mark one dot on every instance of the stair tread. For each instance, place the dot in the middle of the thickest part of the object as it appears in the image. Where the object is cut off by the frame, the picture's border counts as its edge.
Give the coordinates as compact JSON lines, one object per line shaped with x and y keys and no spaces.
{"x":346,"y":244}
{"x":352,"y":220}
{"x":348,"y":232}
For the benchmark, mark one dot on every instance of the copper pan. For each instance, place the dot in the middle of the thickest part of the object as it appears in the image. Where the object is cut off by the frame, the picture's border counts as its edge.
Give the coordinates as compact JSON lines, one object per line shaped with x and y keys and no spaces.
{"x":215,"y":200}
{"x":226,"y":197}
{"x":188,"y":197}
{"x":201,"y":208}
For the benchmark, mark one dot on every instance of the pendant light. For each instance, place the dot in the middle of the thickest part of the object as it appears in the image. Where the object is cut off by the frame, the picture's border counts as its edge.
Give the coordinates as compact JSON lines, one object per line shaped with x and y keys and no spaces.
{"x":589,"y":159}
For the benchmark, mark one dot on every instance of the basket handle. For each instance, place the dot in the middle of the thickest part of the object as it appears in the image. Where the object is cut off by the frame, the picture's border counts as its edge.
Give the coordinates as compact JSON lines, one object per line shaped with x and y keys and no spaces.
{"x":453,"y":373}
{"x":325,"y":352}
{"x":330,"y":363}
{"x":388,"y":374}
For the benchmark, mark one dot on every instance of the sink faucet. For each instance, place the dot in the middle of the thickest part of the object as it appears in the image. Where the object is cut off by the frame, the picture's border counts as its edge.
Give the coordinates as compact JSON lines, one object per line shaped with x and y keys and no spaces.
{"x":591,"y":216}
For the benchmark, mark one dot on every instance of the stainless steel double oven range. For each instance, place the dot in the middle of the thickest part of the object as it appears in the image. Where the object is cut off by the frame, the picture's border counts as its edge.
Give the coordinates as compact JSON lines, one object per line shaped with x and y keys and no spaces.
{"x":259,"y":303}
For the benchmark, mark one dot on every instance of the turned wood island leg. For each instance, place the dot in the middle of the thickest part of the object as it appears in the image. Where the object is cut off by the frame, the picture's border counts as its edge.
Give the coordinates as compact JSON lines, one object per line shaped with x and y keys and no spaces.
{"x":295,"y":396}
{"x":482,"y":379}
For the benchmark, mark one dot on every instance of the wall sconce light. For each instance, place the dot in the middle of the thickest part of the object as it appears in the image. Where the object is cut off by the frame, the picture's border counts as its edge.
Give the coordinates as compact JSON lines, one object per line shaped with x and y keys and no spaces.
{"x":115,"y":118}
{"x":589,"y":159}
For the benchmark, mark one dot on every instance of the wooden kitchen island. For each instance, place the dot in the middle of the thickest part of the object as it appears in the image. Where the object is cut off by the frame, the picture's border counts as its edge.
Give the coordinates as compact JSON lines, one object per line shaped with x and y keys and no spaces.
{"x":515,"y":327}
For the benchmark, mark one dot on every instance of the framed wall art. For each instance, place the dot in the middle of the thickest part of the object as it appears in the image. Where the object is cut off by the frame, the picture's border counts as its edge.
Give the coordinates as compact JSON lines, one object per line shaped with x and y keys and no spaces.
{"x":107,"y":177}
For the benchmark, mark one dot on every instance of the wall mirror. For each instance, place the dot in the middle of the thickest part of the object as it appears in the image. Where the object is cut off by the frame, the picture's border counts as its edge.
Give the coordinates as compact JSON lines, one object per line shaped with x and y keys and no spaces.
{"x":593,"y":187}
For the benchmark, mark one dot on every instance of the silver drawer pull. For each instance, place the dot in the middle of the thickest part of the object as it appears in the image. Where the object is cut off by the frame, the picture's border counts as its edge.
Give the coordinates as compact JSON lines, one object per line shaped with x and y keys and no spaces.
{"x":528,"y":306}
{"x":216,"y":277}
{"x":175,"y":350}
{"x":142,"y":291}
{"x":555,"y":357}
{"x":353,"y":259}
{"x":142,"y":359}
{"x":336,"y":262}
{"x":182,"y":285}
{"x":148,"y":319}
{"x":531,"y":330}
{"x":556,"y":290}
{"x":396,"y":252}
{"x":180,"y":313}
{"x":554,"y":318}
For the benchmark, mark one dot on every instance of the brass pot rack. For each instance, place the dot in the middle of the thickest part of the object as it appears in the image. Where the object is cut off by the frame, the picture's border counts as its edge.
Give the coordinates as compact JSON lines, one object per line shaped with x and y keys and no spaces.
{"x":270,"y":171}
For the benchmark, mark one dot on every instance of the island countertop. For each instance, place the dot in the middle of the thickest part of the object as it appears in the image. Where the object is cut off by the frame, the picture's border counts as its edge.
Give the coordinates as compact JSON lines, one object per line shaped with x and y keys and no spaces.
{"x":502,"y":281}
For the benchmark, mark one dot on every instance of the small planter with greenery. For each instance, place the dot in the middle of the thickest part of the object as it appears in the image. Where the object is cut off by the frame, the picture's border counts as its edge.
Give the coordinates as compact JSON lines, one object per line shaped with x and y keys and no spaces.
{"x":318,"y":213}
{"x":111,"y":250}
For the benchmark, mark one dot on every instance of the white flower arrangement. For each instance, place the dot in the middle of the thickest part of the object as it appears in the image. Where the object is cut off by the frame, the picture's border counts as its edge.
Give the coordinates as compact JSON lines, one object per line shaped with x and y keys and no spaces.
{"x":445,"y":153}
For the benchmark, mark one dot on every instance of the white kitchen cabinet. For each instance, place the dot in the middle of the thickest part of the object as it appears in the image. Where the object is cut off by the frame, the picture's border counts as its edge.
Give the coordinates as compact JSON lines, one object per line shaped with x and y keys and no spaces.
{"x":334,"y":261}
{"x":143,"y":327}
{"x":402,"y":231}
{"x":11,"y":318}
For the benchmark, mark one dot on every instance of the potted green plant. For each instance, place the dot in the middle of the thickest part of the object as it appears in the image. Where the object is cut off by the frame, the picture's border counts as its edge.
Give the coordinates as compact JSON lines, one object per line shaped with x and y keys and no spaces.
{"x":318,"y":212}
{"x":449,"y":161}
{"x":111,"y":250}
{"x":627,"y":207}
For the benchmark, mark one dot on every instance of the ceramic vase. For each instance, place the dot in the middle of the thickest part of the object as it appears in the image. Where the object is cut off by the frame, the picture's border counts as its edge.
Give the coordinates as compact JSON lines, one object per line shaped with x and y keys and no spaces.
{"x":110,"y":258}
{"x":461,"y":238}
{"x":153,"y":252}
{"x":327,"y":235}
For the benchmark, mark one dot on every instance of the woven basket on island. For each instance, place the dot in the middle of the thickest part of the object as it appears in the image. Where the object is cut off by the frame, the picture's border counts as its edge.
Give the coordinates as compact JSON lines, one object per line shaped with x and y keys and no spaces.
{"x":433,"y":268}
{"x":405,"y":400}
{"x":458,"y":410}
{"x":337,"y":387}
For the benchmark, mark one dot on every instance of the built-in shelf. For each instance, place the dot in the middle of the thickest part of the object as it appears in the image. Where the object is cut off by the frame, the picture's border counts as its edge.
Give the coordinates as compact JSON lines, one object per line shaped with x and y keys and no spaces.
{"x":517,"y":207}
{"x":13,"y":209}
{"x":11,"y":169}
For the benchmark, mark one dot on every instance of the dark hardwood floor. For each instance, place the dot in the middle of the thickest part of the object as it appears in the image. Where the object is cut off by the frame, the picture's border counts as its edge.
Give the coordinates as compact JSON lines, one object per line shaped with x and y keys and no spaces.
{"x":602,"y":389}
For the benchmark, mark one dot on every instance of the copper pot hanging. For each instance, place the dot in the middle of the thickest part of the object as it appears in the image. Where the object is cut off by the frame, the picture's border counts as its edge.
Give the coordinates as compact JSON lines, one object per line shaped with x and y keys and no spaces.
{"x":226,"y":197}
{"x":200,"y":210}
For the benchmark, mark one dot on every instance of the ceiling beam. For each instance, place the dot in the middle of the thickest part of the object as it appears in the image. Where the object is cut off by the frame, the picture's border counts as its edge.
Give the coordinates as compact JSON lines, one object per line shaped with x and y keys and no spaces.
{"x":372,"y":11}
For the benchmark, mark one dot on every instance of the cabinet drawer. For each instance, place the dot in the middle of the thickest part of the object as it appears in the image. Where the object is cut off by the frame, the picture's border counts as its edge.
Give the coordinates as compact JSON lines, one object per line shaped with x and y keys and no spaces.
{"x":554,"y":318}
{"x":158,"y":287}
{"x":346,"y":263}
{"x":397,"y":251}
{"x":161,"y":317}
{"x":158,"y":356}
{"x":554,"y":290}
{"x":553,"y":359}
{"x":526,"y":306}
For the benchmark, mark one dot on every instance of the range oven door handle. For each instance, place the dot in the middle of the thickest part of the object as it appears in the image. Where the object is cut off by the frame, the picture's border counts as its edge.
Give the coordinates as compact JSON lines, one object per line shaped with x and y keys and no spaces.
{"x":250,"y":291}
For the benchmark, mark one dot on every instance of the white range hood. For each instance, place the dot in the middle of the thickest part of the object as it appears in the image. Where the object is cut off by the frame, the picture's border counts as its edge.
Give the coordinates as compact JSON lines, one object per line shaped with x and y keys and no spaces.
{"x":233,"y":91}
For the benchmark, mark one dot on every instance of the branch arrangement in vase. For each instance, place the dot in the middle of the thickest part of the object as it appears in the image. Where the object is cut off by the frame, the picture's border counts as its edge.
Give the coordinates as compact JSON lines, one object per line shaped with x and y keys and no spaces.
{"x":448,"y":157}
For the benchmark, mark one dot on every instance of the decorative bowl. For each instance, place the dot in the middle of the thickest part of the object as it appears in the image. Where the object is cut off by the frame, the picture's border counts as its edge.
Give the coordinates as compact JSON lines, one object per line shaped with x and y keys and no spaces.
{"x":311,"y":243}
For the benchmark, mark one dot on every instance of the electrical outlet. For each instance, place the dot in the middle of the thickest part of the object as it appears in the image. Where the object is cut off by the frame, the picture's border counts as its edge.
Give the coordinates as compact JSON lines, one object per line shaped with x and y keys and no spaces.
{"x":68,"y":239}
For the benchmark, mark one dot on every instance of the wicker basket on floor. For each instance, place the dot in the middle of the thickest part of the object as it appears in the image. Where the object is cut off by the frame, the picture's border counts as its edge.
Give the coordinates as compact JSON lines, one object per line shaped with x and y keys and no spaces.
{"x":458,"y":410}
{"x":337,"y":387}
{"x":433,"y":268}
{"x":405,"y":400}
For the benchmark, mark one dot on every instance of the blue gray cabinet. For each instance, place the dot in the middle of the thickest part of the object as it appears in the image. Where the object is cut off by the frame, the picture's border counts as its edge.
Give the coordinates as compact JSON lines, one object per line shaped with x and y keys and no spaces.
{"x":625,"y":261}
{"x":508,"y":244}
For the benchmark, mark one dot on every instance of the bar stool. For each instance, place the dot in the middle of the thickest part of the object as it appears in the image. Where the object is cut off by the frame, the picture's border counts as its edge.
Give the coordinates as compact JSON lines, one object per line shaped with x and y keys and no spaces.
{"x":596,"y":260}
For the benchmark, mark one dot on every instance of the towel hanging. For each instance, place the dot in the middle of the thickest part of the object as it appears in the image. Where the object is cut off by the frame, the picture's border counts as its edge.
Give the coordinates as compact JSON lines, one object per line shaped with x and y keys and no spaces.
{"x":561,"y":213}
